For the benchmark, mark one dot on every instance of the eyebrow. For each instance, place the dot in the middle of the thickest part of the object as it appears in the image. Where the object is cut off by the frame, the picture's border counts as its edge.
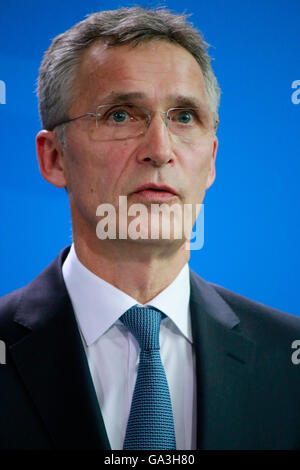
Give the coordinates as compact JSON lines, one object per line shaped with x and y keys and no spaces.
{"x":180,"y":101}
{"x":114,"y":97}
{"x":186,"y":101}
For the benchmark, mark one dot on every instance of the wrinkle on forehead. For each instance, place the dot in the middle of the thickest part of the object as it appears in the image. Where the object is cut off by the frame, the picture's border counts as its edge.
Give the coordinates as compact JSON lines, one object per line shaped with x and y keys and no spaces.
{"x":104,"y":68}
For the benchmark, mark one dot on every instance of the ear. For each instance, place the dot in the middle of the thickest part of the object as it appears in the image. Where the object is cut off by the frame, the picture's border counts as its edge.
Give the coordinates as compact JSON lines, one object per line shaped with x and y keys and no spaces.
{"x":50,"y":157}
{"x":212,"y":170}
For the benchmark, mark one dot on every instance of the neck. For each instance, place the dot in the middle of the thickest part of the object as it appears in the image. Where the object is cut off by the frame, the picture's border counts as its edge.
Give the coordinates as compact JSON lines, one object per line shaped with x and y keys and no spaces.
{"x":138,"y":269}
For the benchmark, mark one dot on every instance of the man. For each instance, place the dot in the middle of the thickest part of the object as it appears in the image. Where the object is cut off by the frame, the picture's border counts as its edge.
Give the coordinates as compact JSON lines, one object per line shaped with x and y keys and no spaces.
{"x":129,"y":107}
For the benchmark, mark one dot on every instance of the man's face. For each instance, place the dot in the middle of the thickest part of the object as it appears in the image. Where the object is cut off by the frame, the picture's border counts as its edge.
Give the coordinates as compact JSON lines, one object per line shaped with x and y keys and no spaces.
{"x":156,"y":75}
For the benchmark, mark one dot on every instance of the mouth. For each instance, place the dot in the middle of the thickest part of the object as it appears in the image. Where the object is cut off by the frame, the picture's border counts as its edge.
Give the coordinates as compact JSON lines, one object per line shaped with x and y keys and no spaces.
{"x":154,"y":192}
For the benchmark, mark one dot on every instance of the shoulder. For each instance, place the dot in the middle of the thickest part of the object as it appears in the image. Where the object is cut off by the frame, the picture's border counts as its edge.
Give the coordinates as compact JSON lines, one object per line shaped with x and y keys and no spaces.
{"x":9,"y":304}
{"x":10,"y":331}
{"x":254,"y":317}
{"x":28,"y":301}
{"x":245,"y":305}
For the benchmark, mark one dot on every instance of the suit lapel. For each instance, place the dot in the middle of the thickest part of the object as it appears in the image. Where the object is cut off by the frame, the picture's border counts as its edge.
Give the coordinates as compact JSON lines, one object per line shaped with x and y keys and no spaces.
{"x":52,"y":364}
{"x":224,"y":363}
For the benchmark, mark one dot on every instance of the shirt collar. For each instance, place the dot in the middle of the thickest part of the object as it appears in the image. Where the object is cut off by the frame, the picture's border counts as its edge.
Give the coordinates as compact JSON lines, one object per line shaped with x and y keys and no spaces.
{"x":98,"y":304}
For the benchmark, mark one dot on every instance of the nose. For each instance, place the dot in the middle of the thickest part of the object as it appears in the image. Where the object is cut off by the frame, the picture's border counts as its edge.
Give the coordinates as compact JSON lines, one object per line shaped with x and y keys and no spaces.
{"x":156,"y":145}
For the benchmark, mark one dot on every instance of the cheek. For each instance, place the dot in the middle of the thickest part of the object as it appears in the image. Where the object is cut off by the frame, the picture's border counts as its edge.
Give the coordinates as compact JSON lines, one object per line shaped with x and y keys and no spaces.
{"x":105,"y":158}
{"x":198,"y":166}
{"x":111,"y":162}
{"x":114,"y":154}
{"x":97,"y":171}
{"x":199,"y":160}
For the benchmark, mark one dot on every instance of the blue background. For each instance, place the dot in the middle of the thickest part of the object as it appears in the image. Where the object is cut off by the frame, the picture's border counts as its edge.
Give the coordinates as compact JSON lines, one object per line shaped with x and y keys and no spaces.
{"x":251,"y":211}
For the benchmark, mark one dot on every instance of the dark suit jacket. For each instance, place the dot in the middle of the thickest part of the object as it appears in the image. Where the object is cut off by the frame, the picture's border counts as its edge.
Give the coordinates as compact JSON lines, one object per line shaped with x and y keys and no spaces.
{"x":248,"y":389}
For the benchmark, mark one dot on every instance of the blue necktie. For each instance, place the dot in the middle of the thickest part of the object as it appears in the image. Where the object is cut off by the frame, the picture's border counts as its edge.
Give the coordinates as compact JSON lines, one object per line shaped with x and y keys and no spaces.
{"x":150,"y":425}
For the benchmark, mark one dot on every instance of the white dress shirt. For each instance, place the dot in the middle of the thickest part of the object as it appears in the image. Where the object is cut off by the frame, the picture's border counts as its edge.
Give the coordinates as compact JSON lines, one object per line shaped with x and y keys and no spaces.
{"x":113,"y":352}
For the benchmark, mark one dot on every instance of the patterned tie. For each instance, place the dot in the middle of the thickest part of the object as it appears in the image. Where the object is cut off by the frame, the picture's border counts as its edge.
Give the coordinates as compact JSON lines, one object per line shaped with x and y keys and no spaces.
{"x":150,"y":425}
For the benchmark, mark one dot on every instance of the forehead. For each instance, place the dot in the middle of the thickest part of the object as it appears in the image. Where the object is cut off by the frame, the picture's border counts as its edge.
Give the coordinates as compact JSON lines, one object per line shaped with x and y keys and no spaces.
{"x":156,"y":70}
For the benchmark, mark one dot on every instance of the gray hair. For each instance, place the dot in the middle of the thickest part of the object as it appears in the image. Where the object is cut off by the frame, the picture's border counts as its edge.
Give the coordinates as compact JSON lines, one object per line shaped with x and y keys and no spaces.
{"x":134,"y":25}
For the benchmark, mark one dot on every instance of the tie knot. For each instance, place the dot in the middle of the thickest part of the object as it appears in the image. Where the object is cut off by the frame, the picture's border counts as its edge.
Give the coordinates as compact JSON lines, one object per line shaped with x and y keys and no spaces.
{"x":144,"y":324}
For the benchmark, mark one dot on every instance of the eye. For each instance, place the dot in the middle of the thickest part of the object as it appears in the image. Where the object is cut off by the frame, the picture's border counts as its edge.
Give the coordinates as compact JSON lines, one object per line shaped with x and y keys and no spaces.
{"x":118,"y":115}
{"x":121,"y":115}
{"x":184,"y":116}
